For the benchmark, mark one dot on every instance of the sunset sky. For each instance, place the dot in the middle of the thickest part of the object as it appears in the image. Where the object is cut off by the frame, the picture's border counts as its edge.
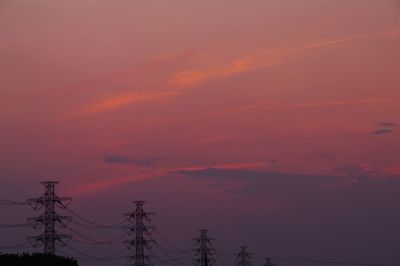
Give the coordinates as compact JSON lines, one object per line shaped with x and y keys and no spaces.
{"x":273,"y":123}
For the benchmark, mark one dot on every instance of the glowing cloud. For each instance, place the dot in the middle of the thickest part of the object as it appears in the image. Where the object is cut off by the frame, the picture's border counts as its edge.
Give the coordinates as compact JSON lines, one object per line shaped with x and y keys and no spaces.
{"x":228,"y":166}
{"x":106,"y":184}
{"x":262,"y":59}
{"x":119,"y":101}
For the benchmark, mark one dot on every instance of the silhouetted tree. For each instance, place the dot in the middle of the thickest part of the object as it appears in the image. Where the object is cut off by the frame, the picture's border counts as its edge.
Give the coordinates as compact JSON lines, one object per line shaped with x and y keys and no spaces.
{"x":35,"y":260}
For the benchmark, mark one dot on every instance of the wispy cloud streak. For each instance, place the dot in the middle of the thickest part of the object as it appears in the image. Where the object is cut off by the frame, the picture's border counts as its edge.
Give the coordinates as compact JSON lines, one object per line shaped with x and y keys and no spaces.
{"x":190,"y":78}
{"x":262,"y":59}
{"x":118,"y":102}
{"x":110,"y":183}
{"x":385,"y":128}
{"x":289,"y":106}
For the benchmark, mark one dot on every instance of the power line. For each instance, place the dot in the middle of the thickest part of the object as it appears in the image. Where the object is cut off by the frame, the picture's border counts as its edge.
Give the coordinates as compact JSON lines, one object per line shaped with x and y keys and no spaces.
{"x":169,"y":250}
{"x":220,"y":260}
{"x":92,"y":224}
{"x":175,"y":262}
{"x":175,"y":249}
{"x":170,"y":260}
{"x":17,"y":246}
{"x":14,"y":225}
{"x":74,"y":256}
{"x":96,"y":242}
{"x":111,"y":257}
{"x":96,"y":227}
{"x":8,"y":202}
{"x":142,"y":227}
{"x":166,"y":254}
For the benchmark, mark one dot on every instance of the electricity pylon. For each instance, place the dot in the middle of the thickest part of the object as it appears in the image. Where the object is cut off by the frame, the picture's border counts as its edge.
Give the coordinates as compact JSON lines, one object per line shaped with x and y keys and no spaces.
{"x":204,"y":252}
{"x":244,"y":258}
{"x":142,"y":228}
{"x":49,"y":219}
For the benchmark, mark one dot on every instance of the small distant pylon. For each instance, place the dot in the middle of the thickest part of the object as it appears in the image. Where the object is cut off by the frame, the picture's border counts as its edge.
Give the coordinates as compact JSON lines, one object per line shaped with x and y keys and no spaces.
{"x":244,"y":258}
{"x":49,"y":219}
{"x":142,"y":240}
{"x":204,"y":252}
{"x":269,"y":262}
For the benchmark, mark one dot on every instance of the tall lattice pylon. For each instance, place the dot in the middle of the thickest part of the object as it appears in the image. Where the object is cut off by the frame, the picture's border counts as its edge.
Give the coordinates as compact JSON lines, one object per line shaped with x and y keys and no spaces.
{"x":49,"y":219}
{"x":243,"y":257}
{"x":204,"y":252}
{"x":142,"y":229}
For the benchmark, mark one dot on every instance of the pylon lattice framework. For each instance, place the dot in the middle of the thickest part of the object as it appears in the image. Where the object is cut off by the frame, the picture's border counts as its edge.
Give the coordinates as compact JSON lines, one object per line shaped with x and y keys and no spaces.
{"x":142,"y":229}
{"x":49,"y":219}
{"x":204,"y":252}
{"x":244,"y":258}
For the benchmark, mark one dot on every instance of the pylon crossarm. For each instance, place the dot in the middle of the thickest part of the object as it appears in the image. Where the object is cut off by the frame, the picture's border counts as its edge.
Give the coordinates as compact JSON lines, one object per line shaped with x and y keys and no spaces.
{"x":63,"y":221}
{"x":37,"y":203}
{"x":128,"y":229}
{"x":42,"y":219}
{"x":63,"y":202}
{"x":129,"y":216}
{"x":149,"y":215}
{"x":129,"y":243}
{"x":149,"y":244}
{"x":35,"y":241}
{"x":35,"y":222}
{"x":61,"y":242}
{"x":148,"y":228}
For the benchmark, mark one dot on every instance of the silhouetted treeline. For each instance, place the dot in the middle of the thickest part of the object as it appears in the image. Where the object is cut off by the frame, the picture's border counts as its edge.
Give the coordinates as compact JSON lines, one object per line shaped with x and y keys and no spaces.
{"x":35,"y":260}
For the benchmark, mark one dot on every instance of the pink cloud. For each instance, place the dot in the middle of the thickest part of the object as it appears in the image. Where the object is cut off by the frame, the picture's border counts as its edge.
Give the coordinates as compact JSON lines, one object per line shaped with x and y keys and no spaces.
{"x":189,"y":78}
{"x":262,"y":59}
{"x":112,"y":182}
{"x":119,"y":101}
